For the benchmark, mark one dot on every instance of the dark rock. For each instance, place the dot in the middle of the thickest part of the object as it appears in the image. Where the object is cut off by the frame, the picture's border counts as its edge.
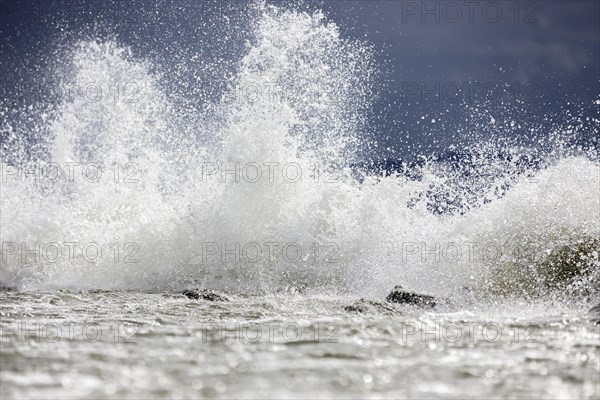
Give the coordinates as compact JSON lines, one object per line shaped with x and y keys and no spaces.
{"x":595,"y":314}
{"x":401,"y":296}
{"x":203,"y":294}
{"x":364,"y":306}
{"x":569,"y":268}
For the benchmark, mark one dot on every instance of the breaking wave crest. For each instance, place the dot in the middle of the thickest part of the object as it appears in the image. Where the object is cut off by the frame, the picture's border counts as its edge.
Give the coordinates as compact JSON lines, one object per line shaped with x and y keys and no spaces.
{"x":264,"y":186}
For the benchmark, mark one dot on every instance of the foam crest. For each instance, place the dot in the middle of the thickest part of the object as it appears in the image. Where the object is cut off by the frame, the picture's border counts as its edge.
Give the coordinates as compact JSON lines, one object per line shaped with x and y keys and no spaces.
{"x":271,"y":201}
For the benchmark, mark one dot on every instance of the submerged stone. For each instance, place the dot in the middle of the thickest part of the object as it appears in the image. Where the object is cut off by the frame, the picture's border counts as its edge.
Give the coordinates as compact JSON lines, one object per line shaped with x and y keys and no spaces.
{"x":204,"y":294}
{"x":363,"y":306}
{"x":401,"y":296}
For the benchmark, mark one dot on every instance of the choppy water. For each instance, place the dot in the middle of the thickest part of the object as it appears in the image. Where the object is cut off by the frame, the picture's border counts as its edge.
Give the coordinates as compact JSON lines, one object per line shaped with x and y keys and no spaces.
{"x":130,"y":184}
{"x":286,"y":346}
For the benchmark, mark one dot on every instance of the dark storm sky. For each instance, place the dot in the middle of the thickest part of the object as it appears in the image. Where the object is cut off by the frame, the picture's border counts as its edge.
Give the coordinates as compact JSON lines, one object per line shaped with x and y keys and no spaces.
{"x":440,"y":60}
{"x":517,"y":58}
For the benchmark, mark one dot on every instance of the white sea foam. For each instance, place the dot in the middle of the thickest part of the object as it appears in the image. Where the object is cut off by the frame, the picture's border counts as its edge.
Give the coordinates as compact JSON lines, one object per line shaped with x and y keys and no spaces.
{"x":167,"y":201}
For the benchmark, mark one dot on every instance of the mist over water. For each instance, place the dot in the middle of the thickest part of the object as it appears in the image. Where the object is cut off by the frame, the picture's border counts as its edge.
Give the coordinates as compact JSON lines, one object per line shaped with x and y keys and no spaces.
{"x":262,"y":186}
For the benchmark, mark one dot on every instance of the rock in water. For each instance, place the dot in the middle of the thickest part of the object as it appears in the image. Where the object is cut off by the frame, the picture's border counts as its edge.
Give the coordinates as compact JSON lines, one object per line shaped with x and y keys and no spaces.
{"x":400,"y":296}
{"x":203,"y":294}
{"x":595,"y":314}
{"x":364,"y":306}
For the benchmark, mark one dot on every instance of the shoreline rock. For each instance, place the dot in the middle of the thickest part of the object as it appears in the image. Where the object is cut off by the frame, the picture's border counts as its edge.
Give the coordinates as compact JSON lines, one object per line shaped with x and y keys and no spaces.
{"x":204,"y":294}
{"x":400,"y":296}
{"x":363,"y":306}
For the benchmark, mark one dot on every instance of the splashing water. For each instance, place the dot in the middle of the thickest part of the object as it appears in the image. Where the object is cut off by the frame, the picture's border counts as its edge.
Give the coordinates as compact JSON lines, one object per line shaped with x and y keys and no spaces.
{"x":264,"y":196}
